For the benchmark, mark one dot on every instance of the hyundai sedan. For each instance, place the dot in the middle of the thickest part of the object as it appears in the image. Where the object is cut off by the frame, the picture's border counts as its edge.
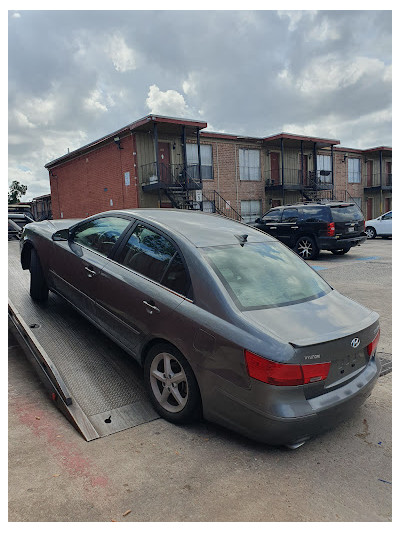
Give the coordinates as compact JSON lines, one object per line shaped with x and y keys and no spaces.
{"x":227,"y":322}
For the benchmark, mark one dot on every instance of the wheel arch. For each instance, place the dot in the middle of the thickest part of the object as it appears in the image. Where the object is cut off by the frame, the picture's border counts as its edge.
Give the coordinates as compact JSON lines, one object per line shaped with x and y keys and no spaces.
{"x":26,"y":255}
{"x":153,"y":342}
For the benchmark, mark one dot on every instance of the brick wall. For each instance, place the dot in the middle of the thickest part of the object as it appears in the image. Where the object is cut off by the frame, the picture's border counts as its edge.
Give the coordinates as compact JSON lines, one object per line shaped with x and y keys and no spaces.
{"x":95,"y":182}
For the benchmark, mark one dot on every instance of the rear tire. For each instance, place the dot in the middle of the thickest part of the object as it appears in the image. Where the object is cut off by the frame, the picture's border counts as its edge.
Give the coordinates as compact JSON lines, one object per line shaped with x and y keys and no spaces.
{"x":307,"y":248}
{"x":371,"y":233}
{"x":38,"y":288}
{"x":171,"y":384}
{"x":340,"y":252}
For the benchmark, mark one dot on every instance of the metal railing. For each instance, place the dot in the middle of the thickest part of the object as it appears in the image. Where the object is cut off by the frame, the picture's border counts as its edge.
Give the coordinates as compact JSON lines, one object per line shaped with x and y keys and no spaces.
{"x":168,"y":174}
{"x":221,"y":206}
{"x":295,"y":176}
{"x":374,"y":180}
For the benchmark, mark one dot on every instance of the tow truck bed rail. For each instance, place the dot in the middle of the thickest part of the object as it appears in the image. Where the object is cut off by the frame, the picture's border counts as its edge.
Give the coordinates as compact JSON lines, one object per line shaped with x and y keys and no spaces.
{"x":94,"y":383}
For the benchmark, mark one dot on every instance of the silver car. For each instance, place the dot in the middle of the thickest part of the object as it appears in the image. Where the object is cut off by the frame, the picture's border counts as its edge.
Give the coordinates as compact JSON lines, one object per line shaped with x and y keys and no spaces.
{"x":227,"y":322}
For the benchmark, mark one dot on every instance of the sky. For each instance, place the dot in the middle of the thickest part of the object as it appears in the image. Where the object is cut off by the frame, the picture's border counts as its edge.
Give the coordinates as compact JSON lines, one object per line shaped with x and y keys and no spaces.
{"x":77,"y":75}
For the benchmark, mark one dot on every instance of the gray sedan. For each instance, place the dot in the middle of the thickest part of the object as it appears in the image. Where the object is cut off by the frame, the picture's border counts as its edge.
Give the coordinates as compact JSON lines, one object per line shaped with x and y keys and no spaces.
{"x":227,"y":322}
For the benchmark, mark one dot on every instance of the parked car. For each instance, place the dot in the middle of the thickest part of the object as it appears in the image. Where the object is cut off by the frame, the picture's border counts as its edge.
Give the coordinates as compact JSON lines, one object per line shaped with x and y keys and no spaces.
{"x":311,"y":227}
{"x":379,"y":227}
{"x":226,"y":321}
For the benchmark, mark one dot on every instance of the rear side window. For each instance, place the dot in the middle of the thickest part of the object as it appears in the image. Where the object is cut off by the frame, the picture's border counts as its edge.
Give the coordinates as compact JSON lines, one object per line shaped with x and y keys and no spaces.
{"x":290,"y":215}
{"x":272,"y":216}
{"x":100,"y":234}
{"x":316,"y":214}
{"x":346,"y":213}
{"x":154,"y":256}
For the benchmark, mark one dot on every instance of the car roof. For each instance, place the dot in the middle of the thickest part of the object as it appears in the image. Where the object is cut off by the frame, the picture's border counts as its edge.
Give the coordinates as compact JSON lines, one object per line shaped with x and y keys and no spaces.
{"x":315,"y":204}
{"x":201,"y":229}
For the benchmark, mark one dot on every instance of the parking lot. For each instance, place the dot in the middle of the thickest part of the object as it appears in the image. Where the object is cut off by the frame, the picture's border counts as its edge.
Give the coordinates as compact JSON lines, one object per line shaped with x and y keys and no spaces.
{"x":160,"y":472}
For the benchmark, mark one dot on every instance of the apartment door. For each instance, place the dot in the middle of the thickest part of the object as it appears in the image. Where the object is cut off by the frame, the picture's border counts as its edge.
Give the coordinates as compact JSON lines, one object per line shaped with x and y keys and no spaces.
{"x":388,"y":176}
{"x":369,"y":208}
{"x":164,"y":161}
{"x":388,"y":204}
{"x":275,"y":175}
{"x":369,"y":173}
{"x":304,"y":171}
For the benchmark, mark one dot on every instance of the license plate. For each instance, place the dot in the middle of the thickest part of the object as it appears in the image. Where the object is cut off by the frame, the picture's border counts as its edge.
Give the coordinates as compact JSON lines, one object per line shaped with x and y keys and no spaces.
{"x":349,"y":230}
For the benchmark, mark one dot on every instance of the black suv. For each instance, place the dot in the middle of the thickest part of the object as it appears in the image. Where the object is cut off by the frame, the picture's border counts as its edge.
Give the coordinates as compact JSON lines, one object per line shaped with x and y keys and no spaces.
{"x":311,"y":227}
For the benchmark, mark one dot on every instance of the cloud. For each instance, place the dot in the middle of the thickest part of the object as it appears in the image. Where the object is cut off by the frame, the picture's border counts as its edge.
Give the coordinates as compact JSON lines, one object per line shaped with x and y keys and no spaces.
{"x":329,"y":73}
{"x":168,"y":102}
{"x":16,"y":15}
{"x":123,"y":57}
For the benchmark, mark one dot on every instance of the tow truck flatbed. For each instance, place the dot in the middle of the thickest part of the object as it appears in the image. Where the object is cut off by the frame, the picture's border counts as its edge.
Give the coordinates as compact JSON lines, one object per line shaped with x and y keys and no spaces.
{"x":93,"y":382}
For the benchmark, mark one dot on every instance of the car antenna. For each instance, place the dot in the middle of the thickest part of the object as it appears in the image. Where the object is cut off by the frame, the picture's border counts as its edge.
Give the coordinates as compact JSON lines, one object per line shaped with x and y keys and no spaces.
{"x":242,"y":239}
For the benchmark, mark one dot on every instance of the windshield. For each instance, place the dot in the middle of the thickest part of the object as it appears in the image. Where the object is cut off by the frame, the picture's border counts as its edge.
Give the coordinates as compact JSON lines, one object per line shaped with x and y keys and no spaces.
{"x":262,"y":275}
{"x":346,"y":213}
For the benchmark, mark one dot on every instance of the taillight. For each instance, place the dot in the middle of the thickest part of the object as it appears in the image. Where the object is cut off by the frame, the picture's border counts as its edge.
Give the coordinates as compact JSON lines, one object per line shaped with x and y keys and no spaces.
{"x":330,"y":230}
{"x":284,"y":374}
{"x":372,"y":345}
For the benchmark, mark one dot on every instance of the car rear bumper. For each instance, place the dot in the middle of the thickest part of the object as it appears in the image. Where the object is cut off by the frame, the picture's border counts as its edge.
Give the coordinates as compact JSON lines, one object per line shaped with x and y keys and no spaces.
{"x":282,"y":415}
{"x":330,"y":243}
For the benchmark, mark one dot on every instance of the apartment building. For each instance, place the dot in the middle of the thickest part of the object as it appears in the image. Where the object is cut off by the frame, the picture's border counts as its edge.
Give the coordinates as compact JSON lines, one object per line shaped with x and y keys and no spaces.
{"x":171,"y":162}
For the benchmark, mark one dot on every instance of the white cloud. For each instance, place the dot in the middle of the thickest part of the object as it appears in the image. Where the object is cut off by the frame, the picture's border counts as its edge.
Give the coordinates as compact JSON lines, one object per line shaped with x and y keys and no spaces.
{"x":189,"y":85}
{"x":93,"y":101}
{"x":16,"y":15}
{"x":123,"y":57}
{"x":323,"y":32}
{"x":170,"y":103}
{"x":295,"y":17}
{"x":328,"y":73}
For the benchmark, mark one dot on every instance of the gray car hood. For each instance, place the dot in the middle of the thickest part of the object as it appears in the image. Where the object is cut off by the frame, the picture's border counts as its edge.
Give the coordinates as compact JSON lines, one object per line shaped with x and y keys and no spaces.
{"x":321,"y":320}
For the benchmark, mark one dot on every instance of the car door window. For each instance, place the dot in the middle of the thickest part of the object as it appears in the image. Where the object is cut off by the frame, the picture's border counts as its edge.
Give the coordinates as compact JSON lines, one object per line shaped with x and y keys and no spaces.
{"x":153,"y":255}
{"x":388,"y":216}
{"x":290,"y":215}
{"x":272,"y":216}
{"x":100,"y":234}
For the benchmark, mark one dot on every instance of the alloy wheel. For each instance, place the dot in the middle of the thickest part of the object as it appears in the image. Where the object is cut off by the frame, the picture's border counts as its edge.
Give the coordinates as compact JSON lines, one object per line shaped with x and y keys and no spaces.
{"x":305,"y":248}
{"x":169,"y":382}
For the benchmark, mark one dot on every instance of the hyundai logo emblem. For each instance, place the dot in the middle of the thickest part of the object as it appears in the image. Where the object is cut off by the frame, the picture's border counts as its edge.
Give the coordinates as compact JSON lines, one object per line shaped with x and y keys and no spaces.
{"x":355,"y":342}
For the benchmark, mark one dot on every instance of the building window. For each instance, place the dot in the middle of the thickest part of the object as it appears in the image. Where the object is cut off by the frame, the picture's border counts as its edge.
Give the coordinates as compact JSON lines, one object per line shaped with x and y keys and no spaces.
{"x":249,"y":164}
{"x":354,"y":170}
{"x":250,"y":210}
{"x":324,"y":168}
{"x":192,"y":157}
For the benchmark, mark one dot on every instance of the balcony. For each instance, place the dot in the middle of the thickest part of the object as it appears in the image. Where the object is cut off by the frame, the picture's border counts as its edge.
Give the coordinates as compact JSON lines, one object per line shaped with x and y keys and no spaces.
{"x":169,"y":176}
{"x":373,"y":181}
{"x":297,"y":180}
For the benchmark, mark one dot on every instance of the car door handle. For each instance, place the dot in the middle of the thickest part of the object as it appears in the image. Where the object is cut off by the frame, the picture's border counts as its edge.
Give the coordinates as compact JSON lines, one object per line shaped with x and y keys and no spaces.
{"x":90,"y":272}
{"x":272,"y":227}
{"x":294,"y":227}
{"x":151,"y":307}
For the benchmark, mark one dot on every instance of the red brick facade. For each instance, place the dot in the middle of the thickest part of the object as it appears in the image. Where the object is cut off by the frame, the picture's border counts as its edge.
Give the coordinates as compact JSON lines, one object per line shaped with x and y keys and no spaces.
{"x":95,"y":181}
{"x":95,"y":178}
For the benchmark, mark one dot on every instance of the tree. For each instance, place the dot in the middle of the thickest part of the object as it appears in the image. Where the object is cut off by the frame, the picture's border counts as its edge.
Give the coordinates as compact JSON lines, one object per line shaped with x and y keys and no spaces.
{"x":16,"y":191}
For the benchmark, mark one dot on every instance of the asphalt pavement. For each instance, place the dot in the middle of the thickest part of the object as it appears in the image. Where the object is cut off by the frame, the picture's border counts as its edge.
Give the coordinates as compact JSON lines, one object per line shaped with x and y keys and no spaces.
{"x":158,"y":472}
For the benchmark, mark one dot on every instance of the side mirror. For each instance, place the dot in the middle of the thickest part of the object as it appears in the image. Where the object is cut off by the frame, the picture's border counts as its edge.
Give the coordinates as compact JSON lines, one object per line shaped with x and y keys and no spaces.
{"x":257,"y":221}
{"x":379,"y":218}
{"x":61,"y":235}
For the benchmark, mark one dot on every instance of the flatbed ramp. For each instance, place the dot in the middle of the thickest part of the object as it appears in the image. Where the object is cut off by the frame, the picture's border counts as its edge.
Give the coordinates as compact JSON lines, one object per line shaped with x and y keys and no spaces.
{"x":95,"y":383}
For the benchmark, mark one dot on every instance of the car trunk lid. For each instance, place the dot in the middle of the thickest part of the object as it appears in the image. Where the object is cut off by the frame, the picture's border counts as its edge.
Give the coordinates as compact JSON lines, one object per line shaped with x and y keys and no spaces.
{"x":331,"y":329}
{"x":348,"y":219}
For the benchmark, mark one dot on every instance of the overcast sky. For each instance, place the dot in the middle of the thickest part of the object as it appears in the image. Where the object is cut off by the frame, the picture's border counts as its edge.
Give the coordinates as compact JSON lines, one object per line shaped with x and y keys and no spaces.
{"x":75,"y":76}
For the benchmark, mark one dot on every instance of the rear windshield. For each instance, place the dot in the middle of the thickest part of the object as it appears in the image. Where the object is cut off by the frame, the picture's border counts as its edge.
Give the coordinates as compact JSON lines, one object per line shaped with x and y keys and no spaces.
{"x":262,"y":275}
{"x":345,"y":213}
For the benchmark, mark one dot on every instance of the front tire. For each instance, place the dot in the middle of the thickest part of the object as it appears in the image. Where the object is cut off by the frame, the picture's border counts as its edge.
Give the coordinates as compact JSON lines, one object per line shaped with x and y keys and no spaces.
{"x":307,"y":248}
{"x":39,"y":290}
{"x":371,"y":233}
{"x":171,"y":384}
